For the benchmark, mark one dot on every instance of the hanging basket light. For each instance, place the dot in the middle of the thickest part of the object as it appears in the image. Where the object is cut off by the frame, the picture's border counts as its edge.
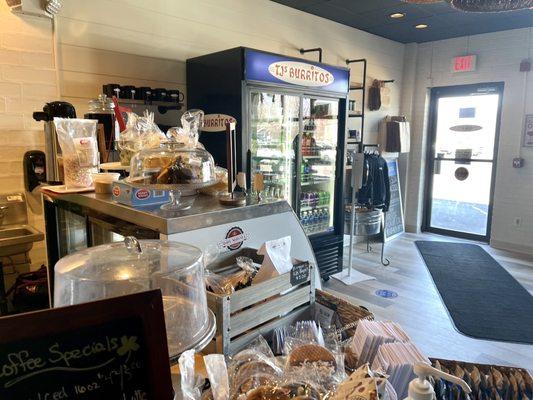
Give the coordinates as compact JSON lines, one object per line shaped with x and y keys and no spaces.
{"x":422,"y":1}
{"x":491,"y":5}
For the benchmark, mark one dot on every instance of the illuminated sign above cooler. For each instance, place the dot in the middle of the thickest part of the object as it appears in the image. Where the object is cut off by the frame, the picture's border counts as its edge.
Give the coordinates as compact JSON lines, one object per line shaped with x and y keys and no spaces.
{"x":464,"y":63}
{"x":274,"y":68}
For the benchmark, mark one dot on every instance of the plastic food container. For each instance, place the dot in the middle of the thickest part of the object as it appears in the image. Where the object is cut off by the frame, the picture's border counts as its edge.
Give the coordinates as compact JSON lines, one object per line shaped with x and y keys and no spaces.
{"x":103,"y":181}
{"x":134,"y":266}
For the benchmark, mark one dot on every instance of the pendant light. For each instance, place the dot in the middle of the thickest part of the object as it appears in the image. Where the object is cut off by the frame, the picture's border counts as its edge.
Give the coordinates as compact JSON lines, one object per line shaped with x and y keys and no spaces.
{"x":422,"y":1}
{"x":491,"y":5}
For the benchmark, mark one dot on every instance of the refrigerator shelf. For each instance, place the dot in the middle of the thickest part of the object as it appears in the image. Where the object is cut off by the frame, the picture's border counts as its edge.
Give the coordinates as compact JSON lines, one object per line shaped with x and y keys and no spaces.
{"x":315,"y":182}
{"x":312,"y":229}
{"x":257,"y":157}
{"x":311,"y":208}
{"x":328,"y":117}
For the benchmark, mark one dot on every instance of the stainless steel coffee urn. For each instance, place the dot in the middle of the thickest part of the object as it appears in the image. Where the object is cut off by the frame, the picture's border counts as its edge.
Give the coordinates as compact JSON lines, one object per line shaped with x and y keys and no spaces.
{"x":52,"y":150}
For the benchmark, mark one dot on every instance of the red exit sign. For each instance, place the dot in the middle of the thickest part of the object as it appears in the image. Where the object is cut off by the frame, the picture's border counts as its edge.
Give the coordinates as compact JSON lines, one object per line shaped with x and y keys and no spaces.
{"x":464,"y":63}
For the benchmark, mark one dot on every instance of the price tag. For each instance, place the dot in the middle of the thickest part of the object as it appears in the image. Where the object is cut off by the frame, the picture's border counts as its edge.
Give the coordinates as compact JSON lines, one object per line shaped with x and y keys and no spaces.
{"x":299,"y":274}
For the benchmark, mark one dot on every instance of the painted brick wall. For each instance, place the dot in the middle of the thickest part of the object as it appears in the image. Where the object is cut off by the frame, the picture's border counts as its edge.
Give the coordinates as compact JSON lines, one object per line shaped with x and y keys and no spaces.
{"x":27,"y":81}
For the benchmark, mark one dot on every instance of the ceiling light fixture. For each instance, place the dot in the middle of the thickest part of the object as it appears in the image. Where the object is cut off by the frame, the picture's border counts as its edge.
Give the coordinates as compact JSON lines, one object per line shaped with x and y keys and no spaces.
{"x":421,"y":26}
{"x":491,"y":5}
{"x":397,"y":15}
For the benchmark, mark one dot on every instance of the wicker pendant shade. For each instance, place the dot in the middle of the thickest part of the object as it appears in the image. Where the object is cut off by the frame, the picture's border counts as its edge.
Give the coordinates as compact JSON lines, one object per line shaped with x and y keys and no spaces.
{"x":490,"y":5}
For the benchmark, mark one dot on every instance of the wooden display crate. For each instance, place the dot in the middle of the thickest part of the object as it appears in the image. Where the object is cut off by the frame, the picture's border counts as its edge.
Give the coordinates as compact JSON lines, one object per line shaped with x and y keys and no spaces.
{"x":260,"y":308}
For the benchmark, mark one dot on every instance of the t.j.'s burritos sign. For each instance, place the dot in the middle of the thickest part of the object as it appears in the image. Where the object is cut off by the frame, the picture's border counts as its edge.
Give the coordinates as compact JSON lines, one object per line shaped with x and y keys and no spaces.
{"x":216,"y":122}
{"x":275,"y":68}
{"x":300,"y":73}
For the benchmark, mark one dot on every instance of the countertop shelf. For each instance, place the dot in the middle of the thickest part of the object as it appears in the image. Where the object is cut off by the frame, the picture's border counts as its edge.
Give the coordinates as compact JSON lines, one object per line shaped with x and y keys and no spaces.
{"x":165,"y":222}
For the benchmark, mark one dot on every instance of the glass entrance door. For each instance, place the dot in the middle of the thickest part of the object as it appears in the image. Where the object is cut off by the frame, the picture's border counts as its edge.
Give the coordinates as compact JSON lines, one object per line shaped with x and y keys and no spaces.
{"x":464,"y":124}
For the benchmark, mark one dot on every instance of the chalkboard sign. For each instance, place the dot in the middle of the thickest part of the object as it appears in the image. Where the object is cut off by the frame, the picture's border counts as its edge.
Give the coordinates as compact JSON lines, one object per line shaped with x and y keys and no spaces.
{"x":109,"y":349}
{"x":394,"y":224}
{"x":299,"y":274}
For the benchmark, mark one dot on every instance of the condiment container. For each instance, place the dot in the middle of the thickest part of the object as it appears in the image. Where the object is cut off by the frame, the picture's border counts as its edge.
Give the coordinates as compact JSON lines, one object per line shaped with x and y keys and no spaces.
{"x":134,"y":266}
{"x":103,"y":181}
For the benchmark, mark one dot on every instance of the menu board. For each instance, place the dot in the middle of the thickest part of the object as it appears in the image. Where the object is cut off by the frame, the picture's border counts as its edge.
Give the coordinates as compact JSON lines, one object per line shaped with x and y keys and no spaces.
{"x":110,"y":349}
{"x":394,"y":224}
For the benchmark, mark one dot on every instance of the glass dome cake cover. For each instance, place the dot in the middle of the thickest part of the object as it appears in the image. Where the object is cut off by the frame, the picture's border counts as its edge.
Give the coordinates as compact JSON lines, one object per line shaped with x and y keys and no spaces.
{"x":134,"y":266}
{"x":180,"y":164}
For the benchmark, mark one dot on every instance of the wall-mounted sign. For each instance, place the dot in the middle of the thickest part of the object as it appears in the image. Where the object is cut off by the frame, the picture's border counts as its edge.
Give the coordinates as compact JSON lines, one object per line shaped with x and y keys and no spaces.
{"x":300,"y":73}
{"x":217,"y":122}
{"x":275,"y":68}
{"x":108,"y":349}
{"x":528,"y":131}
{"x":464,"y":63}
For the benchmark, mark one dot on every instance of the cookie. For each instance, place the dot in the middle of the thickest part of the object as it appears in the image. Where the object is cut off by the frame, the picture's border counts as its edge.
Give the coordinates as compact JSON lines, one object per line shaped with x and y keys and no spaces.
{"x":268,"y":393}
{"x":311,"y":353}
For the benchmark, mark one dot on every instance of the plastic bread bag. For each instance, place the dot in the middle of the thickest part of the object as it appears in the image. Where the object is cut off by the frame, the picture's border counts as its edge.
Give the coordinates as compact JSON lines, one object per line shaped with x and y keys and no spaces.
{"x":190,"y":385}
{"x":217,"y":373}
{"x":315,"y":376}
{"x":140,"y":133}
{"x":79,"y":148}
{"x":192,"y":122}
{"x":300,"y":333}
{"x":249,"y":369}
{"x":228,"y":280}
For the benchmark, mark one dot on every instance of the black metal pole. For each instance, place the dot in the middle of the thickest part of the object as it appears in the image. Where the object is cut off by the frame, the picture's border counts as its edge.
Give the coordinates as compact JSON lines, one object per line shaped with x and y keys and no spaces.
{"x":316,"y":49}
{"x":361,"y":60}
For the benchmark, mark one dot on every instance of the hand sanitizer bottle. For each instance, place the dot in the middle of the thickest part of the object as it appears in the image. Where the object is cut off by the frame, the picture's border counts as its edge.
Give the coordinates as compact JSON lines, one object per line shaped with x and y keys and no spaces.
{"x":420,"y":388}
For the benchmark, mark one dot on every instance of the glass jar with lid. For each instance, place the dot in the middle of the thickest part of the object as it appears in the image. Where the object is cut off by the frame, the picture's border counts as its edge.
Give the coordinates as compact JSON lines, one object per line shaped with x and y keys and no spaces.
{"x":102,"y":109}
{"x":134,"y":266}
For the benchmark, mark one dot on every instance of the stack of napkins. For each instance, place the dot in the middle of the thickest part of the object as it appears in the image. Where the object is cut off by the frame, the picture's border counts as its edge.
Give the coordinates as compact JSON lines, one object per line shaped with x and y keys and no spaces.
{"x":370,"y":335}
{"x":397,"y":360}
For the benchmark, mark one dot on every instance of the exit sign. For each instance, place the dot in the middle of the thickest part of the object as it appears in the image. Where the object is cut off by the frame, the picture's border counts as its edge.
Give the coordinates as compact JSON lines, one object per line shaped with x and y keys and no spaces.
{"x":464,"y":63}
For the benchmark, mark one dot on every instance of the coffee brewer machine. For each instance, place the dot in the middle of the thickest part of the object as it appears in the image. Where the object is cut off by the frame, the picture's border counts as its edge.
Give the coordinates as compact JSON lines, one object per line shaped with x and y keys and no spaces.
{"x":61,"y":109}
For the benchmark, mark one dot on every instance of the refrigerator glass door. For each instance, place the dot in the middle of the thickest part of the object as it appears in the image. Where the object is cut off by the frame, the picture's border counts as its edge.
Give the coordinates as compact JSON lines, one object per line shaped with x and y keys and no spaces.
{"x":274,"y":126}
{"x":318,"y":164}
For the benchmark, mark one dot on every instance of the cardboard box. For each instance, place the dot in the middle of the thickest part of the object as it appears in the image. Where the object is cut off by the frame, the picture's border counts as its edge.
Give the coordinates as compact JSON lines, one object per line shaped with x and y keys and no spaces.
{"x":124,"y":193}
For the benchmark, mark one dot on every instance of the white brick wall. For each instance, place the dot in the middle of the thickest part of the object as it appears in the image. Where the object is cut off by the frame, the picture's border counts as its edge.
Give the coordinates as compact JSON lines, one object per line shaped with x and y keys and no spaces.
{"x":27,"y":81}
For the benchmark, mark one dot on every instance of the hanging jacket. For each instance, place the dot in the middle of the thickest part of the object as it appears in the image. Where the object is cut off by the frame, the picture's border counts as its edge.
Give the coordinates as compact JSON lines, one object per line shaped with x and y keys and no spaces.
{"x":375,"y":191}
{"x":374,"y":96}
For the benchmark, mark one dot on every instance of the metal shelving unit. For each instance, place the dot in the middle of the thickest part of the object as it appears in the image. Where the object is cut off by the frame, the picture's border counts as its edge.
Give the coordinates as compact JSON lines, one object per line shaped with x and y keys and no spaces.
{"x":361,"y":115}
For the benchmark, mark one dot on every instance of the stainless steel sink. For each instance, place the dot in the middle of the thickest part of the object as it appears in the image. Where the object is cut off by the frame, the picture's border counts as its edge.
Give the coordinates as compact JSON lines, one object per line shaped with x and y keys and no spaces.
{"x":17,"y":239}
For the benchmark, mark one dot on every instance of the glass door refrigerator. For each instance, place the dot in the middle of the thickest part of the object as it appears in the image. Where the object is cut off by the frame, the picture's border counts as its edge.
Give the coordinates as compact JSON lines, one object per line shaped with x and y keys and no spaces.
{"x":290,"y":116}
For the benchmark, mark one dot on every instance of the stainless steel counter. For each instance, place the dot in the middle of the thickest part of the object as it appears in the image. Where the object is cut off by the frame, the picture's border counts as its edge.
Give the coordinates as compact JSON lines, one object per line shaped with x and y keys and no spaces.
{"x":204,"y":212}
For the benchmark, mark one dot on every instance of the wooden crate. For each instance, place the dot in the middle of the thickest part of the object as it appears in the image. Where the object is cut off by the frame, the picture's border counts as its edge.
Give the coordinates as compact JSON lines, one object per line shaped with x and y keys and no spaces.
{"x":259,"y":309}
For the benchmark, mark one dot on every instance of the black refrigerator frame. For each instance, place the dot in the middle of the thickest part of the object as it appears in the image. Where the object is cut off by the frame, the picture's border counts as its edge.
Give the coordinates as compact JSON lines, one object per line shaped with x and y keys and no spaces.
{"x":217,"y":85}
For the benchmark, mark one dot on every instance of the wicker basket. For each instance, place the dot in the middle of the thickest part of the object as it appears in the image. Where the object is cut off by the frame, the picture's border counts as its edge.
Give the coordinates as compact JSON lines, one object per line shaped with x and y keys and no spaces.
{"x":349,"y":313}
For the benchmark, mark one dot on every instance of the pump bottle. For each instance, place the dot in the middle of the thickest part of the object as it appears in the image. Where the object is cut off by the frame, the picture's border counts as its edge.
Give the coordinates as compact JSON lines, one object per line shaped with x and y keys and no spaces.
{"x":420,"y":388}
